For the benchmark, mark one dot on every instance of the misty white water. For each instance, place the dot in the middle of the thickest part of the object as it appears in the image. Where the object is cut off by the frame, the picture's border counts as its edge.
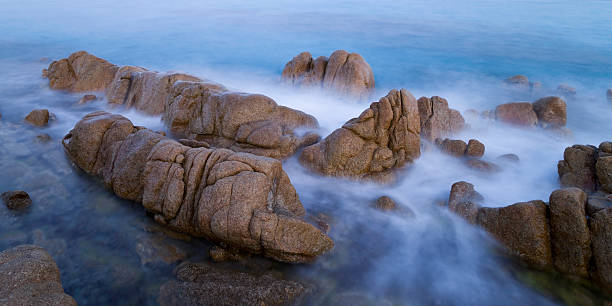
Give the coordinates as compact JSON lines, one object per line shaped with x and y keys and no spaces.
{"x":460,"y":51}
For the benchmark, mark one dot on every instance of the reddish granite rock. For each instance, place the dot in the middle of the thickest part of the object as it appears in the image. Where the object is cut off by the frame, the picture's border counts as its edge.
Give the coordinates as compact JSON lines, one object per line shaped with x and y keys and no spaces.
{"x":475,"y":148}
{"x":38,"y":117}
{"x":384,"y":137}
{"x":80,"y":72}
{"x":551,"y":111}
{"x":517,"y":113}
{"x":239,"y":199}
{"x":464,"y":201}
{"x":437,"y":119}
{"x":601,"y":235}
{"x":577,"y":169}
{"x":454,"y":147}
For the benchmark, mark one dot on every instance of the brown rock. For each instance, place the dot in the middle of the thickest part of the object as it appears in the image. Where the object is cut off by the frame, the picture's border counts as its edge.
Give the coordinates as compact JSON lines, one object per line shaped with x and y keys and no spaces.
{"x":482,"y":166}
{"x":384,"y":137}
{"x":601,"y":235}
{"x":385,"y":203}
{"x":597,"y":202}
{"x":80,"y":72}
{"x":464,"y":201}
{"x":518,"y":80}
{"x":569,"y":232}
{"x":606,"y":147}
{"x":38,"y":117}
{"x":16,"y":199}
{"x":523,"y":228}
{"x":551,"y":111}
{"x":346,"y":74}
{"x":44,"y":137}
{"x":156,"y":249}
{"x":242,"y":200}
{"x":204,"y":284}
{"x":577,"y":169}
{"x":194,"y":143}
{"x":475,"y":148}
{"x":87,"y":98}
{"x":517,"y":113}
{"x":566,"y":90}
{"x":437,"y":119}
{"x":452,"y":147}
{"x":29,"y":276}
{"x":603,"y":168}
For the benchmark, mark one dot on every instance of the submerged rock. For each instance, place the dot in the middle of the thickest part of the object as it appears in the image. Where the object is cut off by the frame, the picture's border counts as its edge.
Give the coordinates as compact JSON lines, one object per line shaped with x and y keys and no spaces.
{"x":517,"y":113}
{"x":43,"y":137}
{"x":566,"y":90}
{"x":29,"y":276}
{"x":383,"y":138}
{"x":87,"y":98}
{"x":475,"y":149}
{"x":38,"y":117}
{"x":551,"y":111}
{"x":385,"y":203}
{"x":437,"y":119}
{"x":518,"y":80}
{"x":346,"y":74}
{"x":510,"y":157}
{"x":205,"y":284}
{"x":242,"y":200}
{"x":198,"y":109}
{"x":16,"y":199}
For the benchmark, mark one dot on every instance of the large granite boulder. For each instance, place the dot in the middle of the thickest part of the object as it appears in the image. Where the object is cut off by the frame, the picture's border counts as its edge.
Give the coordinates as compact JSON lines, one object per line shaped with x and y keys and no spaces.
{"x":517,"y":113}
{"x":346,"y":74}
{"x":205,"y":284}
{"x":384,"y":137}
{"x":242,"y":200}
{"x":601,"y":235}
{"x":437,"y":119}
{"x":577,"y":169}
{"x":465,"y":201}
{"x":551,"y":112}
{"x":603,"y":170}
{"x":79,"y":72}
{"x":29,"y":276}
{"x":192,"y":107}
{"x":569,"y":231}
{"x":523,"y":228}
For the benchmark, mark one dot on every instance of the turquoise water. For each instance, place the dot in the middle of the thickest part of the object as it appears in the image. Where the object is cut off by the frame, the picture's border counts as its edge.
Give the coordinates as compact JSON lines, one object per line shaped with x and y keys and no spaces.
{"x":458,"y":50}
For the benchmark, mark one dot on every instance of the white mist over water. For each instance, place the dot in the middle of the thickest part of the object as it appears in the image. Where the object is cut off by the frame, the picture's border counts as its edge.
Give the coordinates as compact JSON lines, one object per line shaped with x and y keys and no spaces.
{"x":458,"y":50}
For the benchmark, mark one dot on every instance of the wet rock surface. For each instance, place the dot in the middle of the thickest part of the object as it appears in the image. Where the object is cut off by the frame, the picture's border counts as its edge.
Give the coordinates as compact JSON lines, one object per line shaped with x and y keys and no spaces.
{"x":242,"y":200}
{"x":587,"y":167}
{"x":601,"y":235}
{"x":205,"y":284}
{"x":346,"y":74}
{"x":517,"y":113}
{"x":29,"y":276}
{"x":383,"y":138}
{"x":385,"y":203}
{"x":437,"y":119}
{"x":38,"y":117}
{"x":551,"y":111}
{"x":16,"y":199}
{"x":195,"y":108}
{"x":87,"y":98}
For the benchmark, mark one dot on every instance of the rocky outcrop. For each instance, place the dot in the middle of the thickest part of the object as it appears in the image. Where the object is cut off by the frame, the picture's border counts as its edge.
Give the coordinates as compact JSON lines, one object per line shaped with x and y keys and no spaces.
{"x":16,"y":199}
{"x":192,"y":107}
{"x":205,"y":284}
{"x":465,"y":201}
{"x":29,"y":276}
{"x":551,"y":112}
{"x":242,"y":200}
{"x":437,"y":119}
{"x":80,"y":72}
{"x":458,"y":148}
{"x":517,"y":113}
{"x":475,"y":149}
{"x":38,"y":117}
{"x":601,"y":235}
{"x":587,"y":167}
{"x":383,"y":138}
{"x":346,"y":74}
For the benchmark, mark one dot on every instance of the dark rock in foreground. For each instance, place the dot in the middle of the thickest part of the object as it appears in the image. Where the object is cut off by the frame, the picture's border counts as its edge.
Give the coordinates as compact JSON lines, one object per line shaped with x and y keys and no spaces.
{"x":16,"y":199}
{"x":204,"y":284}
{"x":29,"y":276}
{"x":242,"y":200}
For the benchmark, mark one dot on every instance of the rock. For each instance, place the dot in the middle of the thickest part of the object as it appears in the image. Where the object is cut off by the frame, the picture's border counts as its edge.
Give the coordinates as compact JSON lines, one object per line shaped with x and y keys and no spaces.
{"x":385,"y":203}
{"x":517,"y":113}
{"x":29,"y":276}
{"x":464,"y":201}
{"x":510,"y":157}
{"x":191,"y":107}
{"x":437,"y":119}
{"x":609,"y":95}
{"x":193,"y":143}
{"x":204,"y":284}
{"x":603,"y":168}
{"x":38,"y":117}
{"x":242,"y":200}
{"x":577,"y":169}
{"x":523,"y":228}
{"x":16,"y":199}
{"x":384,"y":137}
{"x":452,"y":147}
{"x":606,"y":147}
{"x":597,"y":202}
{"x":44,"y":137}
{"x":601,"y":235}
{"x":518,"y":80}
{"x":87,"y":98}
{"x":569,"y":232}
{"x":154,"y":249}
{"x":482,"y":166}
{"x":475,"y":149}
{"x":346,"y":74}
{"x":218,"y":254}
{"x":566,"y":90}
{"x":551,"y":111}
{"x":80,"y":72}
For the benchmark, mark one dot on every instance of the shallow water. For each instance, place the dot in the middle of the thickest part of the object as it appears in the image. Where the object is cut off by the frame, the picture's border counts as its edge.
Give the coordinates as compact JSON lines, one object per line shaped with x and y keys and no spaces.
{"x":460,"y":51}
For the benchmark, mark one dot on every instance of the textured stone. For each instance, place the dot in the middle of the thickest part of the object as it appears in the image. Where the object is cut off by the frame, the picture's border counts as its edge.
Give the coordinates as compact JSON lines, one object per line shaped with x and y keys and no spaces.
{"x":385,"y":203}
{"x":437,"y":119}
{"x":569,"y":232}
{"x":87,"y":98}
{"x":577,"y":169}
{"x":80,"y":72}
{"x":29,"y":276}
{"x":551,"y":111}
{"x":239,"y":199}
{"x":16,"y":199}
{"x":384,"y":137}
{"x":601,"y":235}
{"x":452,"y":147}
{"x":38,"y":117}
{"x":464,"y":201}
{"x":603,"y":168}
{"x":517,"y":113}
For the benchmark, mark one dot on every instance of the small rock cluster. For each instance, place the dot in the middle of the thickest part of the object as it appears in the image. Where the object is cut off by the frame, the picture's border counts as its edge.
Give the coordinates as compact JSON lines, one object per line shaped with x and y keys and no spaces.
{"x":16,"y":199}
{"x":548,"y":112}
